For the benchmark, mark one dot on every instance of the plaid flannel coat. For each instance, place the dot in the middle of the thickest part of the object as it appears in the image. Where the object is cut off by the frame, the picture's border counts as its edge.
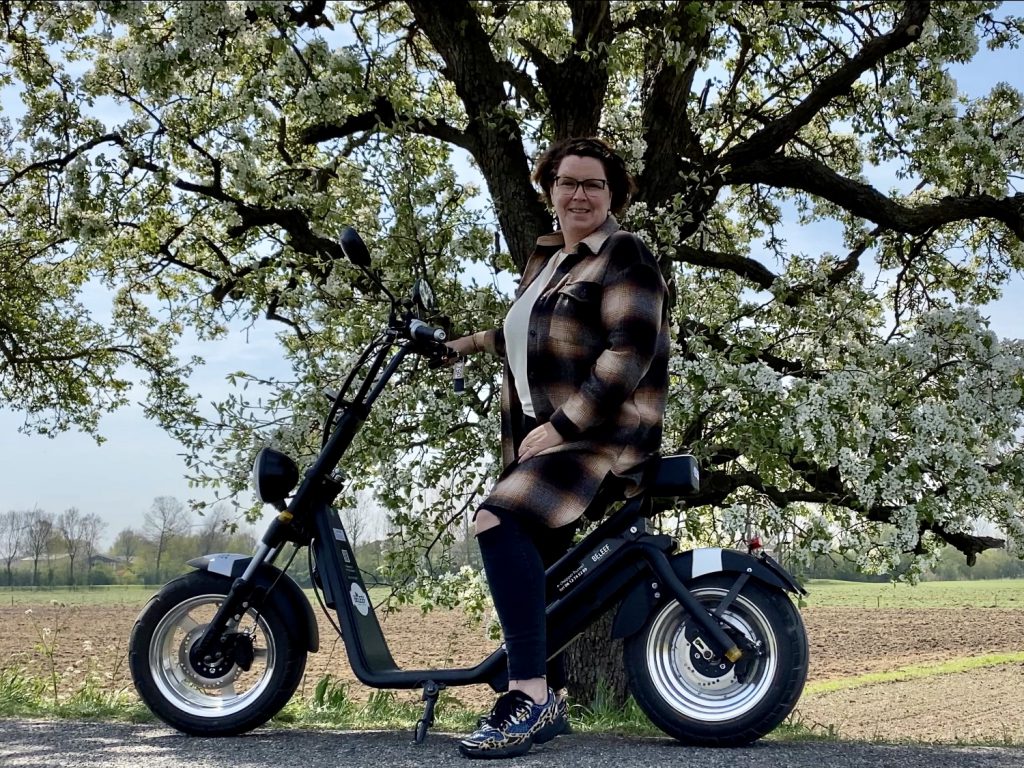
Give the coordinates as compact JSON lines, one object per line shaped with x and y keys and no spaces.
{"x":597,"y":356}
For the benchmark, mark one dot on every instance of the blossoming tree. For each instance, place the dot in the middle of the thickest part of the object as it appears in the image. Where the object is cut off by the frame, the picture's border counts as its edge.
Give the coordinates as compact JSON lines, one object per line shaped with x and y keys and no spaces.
{"x":199,"y":159}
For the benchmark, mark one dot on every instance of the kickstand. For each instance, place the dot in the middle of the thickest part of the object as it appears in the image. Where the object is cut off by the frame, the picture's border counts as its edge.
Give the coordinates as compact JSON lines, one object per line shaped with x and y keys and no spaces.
{"x":430,"y":694}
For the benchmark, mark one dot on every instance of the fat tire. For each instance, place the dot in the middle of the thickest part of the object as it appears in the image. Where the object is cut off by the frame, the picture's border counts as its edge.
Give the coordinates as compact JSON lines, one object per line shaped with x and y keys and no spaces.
{"x":289,"y":662}
{"x":781,"y":692}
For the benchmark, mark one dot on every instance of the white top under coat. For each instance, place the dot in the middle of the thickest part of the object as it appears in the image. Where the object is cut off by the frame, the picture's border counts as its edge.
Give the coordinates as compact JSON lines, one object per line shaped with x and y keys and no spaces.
{"x":517,"y":325}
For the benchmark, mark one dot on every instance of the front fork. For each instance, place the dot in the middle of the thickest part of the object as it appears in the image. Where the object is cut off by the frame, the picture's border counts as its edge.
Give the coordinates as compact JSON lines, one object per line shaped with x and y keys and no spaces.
{"x":217,"y":640}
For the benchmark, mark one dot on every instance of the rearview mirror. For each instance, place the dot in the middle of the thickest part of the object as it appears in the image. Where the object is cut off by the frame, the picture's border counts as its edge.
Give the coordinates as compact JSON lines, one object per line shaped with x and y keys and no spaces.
{"x":423,"y":296}
{"x":354,"y":248}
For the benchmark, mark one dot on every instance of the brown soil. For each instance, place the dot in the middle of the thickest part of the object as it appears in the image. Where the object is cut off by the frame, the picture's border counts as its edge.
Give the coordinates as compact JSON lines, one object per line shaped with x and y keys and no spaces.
{"x":979,"y":705}
{"x":853,"y":641}
{"x":982,"y":704}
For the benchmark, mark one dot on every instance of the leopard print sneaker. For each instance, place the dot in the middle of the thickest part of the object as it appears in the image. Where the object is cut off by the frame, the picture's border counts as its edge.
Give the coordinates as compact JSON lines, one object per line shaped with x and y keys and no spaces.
{"x":513,"y":726}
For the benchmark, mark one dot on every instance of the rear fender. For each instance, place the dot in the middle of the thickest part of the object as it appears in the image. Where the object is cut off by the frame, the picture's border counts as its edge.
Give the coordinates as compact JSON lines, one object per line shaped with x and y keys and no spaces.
{"x":286,"y":596}
{"x":689,"y":565}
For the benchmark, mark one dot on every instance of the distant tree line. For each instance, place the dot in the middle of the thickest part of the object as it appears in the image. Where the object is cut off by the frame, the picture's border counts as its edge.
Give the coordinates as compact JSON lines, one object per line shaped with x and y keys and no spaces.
{"x":43,"y":549}
{"x":40,"y":548}
{"x":951,"y":565}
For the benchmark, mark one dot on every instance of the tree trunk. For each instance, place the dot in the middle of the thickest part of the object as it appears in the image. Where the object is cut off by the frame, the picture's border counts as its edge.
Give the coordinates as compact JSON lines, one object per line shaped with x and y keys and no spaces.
{"x":593,"y":664}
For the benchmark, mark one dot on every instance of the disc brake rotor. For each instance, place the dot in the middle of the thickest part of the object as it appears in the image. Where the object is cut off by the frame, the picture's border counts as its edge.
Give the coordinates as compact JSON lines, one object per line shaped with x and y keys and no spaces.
{"x":216,"y":675}
{"x":700,"y":659}
{"x":699,"y":671}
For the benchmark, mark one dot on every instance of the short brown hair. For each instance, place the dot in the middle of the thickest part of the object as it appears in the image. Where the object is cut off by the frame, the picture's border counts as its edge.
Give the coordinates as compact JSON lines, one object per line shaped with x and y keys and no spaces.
{"x":621,"y":182}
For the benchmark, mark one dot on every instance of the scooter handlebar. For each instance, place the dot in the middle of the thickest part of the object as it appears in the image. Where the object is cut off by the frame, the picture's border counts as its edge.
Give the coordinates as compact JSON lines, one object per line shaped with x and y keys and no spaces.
{"x":422,"y":332}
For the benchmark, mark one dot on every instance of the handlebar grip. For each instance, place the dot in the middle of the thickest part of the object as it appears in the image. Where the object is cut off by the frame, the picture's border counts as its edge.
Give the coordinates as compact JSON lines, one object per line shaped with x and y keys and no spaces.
{"x":420,"y":330}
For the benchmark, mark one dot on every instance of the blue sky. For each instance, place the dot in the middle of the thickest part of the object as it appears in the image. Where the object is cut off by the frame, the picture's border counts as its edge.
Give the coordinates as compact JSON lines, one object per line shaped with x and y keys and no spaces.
{"x":119,"y":479}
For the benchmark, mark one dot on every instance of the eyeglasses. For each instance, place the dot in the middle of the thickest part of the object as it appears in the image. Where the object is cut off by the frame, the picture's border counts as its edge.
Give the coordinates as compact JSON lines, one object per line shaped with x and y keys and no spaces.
{"x":567,"y":185}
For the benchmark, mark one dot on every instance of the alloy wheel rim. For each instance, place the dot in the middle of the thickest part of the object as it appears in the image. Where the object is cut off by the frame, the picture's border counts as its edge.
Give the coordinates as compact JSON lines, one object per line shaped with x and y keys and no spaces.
{"x":685,"y":687}
{"x":182,"y":686}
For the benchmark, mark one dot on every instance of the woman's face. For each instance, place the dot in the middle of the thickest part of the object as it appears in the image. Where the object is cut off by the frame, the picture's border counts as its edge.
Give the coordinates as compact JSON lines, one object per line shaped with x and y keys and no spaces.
{"x":580,"y":211}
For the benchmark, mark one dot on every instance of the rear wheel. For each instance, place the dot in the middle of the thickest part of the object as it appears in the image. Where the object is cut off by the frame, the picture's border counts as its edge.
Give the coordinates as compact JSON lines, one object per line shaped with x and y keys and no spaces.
{"x":222,"y":699}
{"x":713,"y":702}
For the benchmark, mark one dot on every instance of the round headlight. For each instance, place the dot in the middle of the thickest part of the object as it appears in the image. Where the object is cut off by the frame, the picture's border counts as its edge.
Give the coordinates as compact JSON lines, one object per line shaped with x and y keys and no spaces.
{"x":274,"y":475}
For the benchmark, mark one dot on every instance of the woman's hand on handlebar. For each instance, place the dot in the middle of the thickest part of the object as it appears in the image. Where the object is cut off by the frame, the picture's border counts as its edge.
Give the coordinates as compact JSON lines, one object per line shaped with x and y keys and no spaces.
{"x":461,"y":347}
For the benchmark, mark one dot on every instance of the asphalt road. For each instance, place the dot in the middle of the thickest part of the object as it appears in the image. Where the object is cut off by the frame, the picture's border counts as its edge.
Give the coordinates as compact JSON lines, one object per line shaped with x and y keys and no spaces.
{"x":38,"y":744}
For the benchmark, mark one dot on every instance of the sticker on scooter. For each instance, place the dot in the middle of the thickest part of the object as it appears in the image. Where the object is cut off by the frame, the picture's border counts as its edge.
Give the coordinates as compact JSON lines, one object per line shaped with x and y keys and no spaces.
{"x":339,"y":534}
{"x":360,"y":599}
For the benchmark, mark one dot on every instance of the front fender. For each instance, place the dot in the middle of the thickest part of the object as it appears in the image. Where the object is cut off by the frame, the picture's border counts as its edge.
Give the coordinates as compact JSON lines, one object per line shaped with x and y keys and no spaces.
{"x":286,"y":595}
{"x":692,"y":564}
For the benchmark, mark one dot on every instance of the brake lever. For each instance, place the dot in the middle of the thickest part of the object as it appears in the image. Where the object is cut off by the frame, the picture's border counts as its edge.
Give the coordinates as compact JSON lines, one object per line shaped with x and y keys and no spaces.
{"x":439,"y":357}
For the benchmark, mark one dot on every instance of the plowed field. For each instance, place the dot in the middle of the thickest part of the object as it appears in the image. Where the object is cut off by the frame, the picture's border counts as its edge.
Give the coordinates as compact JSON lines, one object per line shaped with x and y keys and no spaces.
{"x":981,"y":704}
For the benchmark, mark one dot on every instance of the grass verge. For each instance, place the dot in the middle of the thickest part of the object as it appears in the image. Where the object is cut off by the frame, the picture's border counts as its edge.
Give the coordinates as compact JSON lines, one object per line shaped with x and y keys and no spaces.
{"x":914,"y":672}
{"x":331,"y":705}
{"x":22,"y":695}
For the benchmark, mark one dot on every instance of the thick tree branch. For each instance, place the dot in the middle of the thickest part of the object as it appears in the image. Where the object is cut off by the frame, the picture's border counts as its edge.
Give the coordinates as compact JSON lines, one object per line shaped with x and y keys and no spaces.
{"x":717,"y":486}
{"x":751,"y":269}
{"x":59,"y":163}
{"x":523,"y":84}
{"x":970,"y":545}
{"x":576,"y":85}
{"x":309,"y":14}
{"x":778,"y":132}
{"x":294,"y":221}
{"x":826,"y":487}
{"x":839,"y":273}
{"x":828,"y":481}
{"x":816,"y":178}
{"x":494,"y":134}
{"x":672,"y":145}
{"x":383,"y":115}
{"x":14,"y":357}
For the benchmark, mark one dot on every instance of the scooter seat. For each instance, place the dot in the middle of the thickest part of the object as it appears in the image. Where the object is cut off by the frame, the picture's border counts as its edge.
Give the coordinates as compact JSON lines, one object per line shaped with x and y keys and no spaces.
{"x":675,"y":476}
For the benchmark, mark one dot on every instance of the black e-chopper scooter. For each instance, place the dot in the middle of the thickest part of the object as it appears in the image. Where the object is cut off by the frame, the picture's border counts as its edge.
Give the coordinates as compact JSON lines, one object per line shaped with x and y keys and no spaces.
{"x":714,"y":648}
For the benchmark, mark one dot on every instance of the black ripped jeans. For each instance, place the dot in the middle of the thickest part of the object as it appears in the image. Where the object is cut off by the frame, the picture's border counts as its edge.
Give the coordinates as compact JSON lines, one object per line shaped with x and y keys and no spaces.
{"x":515,"y":555}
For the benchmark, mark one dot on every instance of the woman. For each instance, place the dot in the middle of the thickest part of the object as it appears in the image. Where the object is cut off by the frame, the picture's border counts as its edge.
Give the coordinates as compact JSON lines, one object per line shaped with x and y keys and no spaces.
{"x":583,"y":396}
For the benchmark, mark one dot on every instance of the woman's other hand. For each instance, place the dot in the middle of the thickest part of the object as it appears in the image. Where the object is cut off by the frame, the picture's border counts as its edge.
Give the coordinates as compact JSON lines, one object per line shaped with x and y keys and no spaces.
{"x":539,"y":439}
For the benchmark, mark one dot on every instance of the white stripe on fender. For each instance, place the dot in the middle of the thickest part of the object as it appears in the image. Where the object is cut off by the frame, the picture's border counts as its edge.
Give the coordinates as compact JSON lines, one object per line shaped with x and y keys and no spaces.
{"x":706,"y":560}
{"x":223,"y":563}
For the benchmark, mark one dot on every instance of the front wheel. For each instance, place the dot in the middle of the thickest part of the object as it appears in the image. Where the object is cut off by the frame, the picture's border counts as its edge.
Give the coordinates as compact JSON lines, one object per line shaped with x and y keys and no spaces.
{"x":215,"y":701}
{"x":711,"y":702}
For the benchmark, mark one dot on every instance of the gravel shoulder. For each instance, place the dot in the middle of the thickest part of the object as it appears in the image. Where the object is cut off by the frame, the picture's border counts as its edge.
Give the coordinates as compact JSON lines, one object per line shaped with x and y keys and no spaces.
{"x":67,"y":744}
